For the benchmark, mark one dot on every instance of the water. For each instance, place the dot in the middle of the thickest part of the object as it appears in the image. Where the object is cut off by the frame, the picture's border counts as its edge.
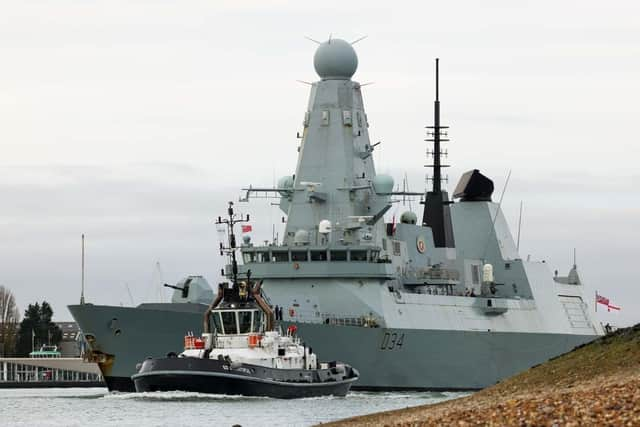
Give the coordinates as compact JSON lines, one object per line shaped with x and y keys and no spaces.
{"x":97,"y":407}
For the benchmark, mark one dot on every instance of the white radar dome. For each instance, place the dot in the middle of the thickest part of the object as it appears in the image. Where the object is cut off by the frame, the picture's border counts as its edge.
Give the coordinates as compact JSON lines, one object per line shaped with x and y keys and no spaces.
{"x":335,"y":59}
{"x":383,"y":184}
{"x":324,"y":227}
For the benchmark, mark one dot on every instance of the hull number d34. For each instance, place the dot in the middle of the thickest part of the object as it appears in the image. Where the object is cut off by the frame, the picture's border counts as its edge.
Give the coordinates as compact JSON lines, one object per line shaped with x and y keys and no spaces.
{"x":392,"y":341}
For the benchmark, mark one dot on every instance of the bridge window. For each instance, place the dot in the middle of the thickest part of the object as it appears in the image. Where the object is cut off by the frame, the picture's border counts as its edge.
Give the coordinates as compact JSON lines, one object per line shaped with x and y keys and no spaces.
{"x":299,"y":256}
{"x":374,"y":256}
{"x":280,"y":256}
{"x":217,"y":324}
{"x":257,"y":321}
{"x":358,"y":255}
{"x":244,"y":321}
{"x":249,"y":257}
{"x":338,"y":255}
{"x":318,"y":255}
{"x":262,"y":256}
{"x":229,"y":322}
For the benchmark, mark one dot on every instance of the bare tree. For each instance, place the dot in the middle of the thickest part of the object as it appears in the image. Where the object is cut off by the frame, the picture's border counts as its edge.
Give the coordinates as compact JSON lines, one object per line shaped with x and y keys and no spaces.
{"x":9,"y":317}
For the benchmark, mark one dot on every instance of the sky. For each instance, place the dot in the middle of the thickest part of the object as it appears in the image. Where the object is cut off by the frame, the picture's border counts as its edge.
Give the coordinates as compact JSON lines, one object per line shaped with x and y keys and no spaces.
{"x":134,"y":122}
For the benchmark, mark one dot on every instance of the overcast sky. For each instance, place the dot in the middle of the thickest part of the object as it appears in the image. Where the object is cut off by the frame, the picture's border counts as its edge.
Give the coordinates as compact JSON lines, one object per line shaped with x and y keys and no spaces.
{"x":135,"y":121}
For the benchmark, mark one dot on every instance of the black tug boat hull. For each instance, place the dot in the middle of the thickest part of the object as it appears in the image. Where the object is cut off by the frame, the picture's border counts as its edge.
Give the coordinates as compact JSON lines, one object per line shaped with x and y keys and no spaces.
{"x":219,"y":377}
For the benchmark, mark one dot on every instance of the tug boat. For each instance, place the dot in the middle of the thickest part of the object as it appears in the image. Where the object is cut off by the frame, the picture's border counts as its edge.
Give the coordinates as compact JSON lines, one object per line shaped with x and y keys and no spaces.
{"x":241,"y":352}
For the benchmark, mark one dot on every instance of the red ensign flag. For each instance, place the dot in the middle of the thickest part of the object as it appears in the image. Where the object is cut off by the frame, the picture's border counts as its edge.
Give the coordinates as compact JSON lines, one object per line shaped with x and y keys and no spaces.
{"x":246,"y":228}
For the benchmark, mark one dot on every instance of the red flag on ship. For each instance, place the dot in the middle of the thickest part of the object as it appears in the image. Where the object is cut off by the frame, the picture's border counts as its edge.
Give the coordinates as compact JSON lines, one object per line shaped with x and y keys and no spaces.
{"x":605,"y":301}
{"x":246,"y":228}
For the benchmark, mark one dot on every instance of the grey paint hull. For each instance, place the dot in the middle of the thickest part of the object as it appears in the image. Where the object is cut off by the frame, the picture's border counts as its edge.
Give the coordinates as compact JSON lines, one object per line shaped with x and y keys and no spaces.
{"x":410,"y":359}
{"x":144,"y":332}
{"x":434,"y":359}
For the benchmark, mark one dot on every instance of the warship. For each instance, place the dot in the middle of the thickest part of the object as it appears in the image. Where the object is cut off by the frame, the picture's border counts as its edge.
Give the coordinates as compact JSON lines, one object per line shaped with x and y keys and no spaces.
{"x":242,"y":350}
{"x":439,"y":300}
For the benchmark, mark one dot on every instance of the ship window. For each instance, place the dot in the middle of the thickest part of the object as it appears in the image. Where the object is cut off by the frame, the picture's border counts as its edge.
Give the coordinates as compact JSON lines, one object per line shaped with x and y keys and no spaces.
{"x":396,"y":248}
{"x":280,"y":256}
{"x":299,"y":256}
{"x":217,"y":325}
{"x":244,"y":321}
{"x":262,"y":256}
{"x":338,"y":255}
{"x":318,"y":255}
{"x":475,"y":274}
{"x":249,"y":257}
{"x":358,"y":255}
{"x":374,"y":256}
{"x":229,"y":322}
{"x":257,"y":320}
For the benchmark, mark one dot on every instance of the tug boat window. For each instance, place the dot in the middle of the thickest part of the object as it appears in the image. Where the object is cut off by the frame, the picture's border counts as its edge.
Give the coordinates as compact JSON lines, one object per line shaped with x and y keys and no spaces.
{"x":229,"y":322}
{"x":257,"y":320}
{"x":244,"y":321}
{"x":358,"y":255}
{"x":338,"y":255}
{"x":217,"y":324}
{"x":374,"y":256}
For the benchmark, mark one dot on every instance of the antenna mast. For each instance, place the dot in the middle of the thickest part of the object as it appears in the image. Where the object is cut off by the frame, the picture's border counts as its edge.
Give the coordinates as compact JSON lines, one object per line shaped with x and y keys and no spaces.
{"x":436,"y":213}
{"x":82,"y":280}
{"x":436,"y":133}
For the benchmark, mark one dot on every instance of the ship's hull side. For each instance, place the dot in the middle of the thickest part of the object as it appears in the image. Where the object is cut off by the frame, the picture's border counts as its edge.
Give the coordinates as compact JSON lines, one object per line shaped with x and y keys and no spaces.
{"x":125,"y":336}
{"x":215,"y":377}
{"x":387,"y":358}
{"x":423,"y":359}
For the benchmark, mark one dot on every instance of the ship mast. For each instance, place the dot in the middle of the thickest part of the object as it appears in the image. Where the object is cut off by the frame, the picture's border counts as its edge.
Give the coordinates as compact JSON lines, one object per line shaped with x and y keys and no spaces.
{"x":436,"y":210}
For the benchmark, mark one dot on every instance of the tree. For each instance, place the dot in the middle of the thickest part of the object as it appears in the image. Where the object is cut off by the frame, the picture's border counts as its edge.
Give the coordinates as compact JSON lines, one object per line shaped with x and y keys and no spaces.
{"x":9,"y":317}
{"x":37,"y":329}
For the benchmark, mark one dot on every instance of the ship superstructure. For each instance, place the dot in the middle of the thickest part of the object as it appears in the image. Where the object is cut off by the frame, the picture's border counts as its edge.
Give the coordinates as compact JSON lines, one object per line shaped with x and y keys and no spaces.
{"x":440,"y":302}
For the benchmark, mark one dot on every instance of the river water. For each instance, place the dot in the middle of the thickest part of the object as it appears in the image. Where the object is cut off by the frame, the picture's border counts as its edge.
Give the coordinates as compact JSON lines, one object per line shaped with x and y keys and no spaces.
{"x":97,"y":407}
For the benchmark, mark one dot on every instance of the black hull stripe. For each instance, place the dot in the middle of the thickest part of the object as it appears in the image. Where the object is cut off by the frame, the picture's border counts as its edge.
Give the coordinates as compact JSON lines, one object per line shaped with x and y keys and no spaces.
{"x":239,"y":377}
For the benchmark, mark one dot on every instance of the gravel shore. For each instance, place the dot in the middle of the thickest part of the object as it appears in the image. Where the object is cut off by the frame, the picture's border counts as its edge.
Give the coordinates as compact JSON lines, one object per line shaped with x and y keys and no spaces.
{"x":596,"y":384}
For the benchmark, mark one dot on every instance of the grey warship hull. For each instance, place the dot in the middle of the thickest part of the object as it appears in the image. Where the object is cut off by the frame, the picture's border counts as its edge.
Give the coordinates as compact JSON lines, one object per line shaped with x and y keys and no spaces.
{"x":121,"y":337}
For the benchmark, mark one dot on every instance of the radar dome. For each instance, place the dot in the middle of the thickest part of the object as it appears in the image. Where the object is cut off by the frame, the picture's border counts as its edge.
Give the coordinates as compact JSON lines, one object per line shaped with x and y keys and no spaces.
{"x":301,"y":237}
{"x":383,"y":184}
{"x":324,"y":227}
{"x":408,"y":218}
{"x":286,"y":182}
{"x":335,"y":59}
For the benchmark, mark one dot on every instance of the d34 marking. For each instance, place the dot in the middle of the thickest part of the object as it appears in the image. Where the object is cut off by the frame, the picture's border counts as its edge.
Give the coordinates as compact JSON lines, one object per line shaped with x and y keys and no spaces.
{"x":392,"y":341}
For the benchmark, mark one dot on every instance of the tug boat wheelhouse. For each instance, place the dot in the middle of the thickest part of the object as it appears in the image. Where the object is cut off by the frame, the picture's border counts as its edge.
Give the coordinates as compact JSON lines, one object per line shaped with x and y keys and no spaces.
{"x":242,"y":353}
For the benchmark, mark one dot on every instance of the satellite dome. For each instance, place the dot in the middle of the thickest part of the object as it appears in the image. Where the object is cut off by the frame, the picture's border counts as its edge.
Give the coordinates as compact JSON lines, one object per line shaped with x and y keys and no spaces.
{"x":301,"y":237}
{"x":335,"y":59}
{"x":408,"y":218}
{"x":382,"y":184}
{"x":286,"y":183}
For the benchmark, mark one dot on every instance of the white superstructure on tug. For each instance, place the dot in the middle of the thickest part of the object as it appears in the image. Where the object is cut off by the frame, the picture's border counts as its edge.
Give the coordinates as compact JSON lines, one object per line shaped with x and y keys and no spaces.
{"x":242,"y":352}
